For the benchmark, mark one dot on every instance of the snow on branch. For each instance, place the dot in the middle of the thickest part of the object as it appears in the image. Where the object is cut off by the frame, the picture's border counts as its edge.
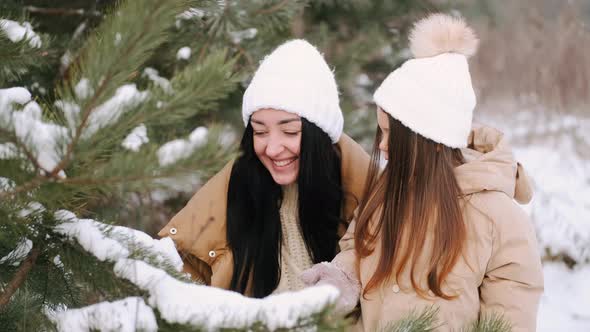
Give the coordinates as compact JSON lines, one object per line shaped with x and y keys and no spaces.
{"x":6,"y":184}
{"x":126,"y":97}
{"x":238,"y":36}
{"x":136,"y":138}
{"x":111,"y":243}
{"x":183,"y":53}
{"x":71,"y":112}
{"x":19,"y":253}
{"x":83,"y":89}
{"x":191,"y":13}
{"x":178,"y":149}
{"x":40,"y":139}
{"x":127,"y":315}
{"x":212,"y":308}
{"x":8,"y":97}
{"x":158,"y":80}
{"x":8,"y":151}
{"x":17,"y":32}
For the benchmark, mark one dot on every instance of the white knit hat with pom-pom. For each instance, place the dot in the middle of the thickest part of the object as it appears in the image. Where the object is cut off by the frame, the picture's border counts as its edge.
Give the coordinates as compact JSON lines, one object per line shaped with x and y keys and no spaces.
{"x":296,"y":78}
{"x":432,"y":93}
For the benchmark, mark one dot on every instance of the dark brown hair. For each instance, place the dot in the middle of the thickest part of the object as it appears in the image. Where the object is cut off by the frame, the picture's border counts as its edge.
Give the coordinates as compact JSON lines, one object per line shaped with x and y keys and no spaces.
{"x":253,"y":203}
{"x":415,"y":199}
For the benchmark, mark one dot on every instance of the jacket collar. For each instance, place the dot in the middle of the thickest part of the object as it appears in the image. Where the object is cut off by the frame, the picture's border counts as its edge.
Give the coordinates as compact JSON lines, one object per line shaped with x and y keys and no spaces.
{"x":490,"y":165}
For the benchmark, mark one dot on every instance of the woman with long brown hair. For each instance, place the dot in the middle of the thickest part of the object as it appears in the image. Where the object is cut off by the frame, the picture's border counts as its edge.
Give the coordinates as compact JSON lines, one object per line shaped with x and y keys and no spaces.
{"x":438,"y":226}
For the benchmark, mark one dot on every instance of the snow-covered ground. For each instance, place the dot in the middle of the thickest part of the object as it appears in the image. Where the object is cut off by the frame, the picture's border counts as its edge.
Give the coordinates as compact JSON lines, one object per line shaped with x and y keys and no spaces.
{"x":565,"y":305}
{"x":555,"y":151}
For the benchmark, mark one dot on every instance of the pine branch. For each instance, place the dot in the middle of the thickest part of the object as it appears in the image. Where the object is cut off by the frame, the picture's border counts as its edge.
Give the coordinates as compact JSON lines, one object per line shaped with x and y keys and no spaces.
{"x":78,"y":133}
{"x":494,"y":322}
{"x":121,"y":168}
{"x":242,"y":51}
{"x":89,"y":108}
{"x":273,"y":8}
{"x":24,"y":187}
{"x":423,"y":321}
{"x":197,"y":88}
{"x":116,"y":172}
{"x":117,"y":180}
{"x":16,"y":56}
{"x":63,"y":11}
{"x":204,"y":49}
{"x":64,"y":70}
{"x":19,"y":277}
{"x":273,"y":18}
{"x":24,"y":301}
{"x":131,"y":50}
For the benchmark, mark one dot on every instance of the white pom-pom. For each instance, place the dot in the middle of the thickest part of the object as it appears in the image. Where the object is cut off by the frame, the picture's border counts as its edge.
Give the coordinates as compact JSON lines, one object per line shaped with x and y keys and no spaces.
{"x":441,"y":33}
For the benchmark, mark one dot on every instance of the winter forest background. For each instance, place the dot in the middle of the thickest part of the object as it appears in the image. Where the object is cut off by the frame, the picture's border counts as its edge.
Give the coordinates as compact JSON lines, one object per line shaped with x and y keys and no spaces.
{"x":112,"y":113}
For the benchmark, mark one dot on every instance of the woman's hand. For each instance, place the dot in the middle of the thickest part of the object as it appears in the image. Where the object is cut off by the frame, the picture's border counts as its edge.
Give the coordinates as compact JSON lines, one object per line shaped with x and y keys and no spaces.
{"x":326,"y":273}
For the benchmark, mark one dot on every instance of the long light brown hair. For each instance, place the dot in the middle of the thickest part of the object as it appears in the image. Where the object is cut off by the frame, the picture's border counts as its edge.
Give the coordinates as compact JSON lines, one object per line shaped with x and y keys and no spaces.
{"x":413,"y":200}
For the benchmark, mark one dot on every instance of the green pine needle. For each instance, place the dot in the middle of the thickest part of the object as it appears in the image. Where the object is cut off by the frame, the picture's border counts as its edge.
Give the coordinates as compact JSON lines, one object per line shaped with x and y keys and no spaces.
{"x":490,"y":323}
{"x":415,"y":321}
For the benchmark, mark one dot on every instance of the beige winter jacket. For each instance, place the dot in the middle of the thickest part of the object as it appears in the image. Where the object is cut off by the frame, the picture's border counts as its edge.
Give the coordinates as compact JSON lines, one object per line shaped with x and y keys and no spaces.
{"x":501,"y":248}
{"x":199,"y":229}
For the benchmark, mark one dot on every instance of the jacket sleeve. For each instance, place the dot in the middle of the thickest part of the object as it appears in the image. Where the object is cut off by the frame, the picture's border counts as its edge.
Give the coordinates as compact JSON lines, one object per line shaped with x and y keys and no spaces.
{"x":513,"y":281}
{"x":199,"y":232}
{"x":346,"y":259}
{"x":354,"y":167}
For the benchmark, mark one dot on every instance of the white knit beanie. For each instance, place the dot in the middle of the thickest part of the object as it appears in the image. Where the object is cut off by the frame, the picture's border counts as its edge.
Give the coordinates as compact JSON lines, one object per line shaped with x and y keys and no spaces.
{"x":432,"y":93}
{"x":296,"y":78}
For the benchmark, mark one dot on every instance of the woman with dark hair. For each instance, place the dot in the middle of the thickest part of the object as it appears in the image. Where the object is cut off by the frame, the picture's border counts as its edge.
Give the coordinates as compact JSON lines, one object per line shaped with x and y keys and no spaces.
{"x":283,"y":204}
{"x":438,"y":226}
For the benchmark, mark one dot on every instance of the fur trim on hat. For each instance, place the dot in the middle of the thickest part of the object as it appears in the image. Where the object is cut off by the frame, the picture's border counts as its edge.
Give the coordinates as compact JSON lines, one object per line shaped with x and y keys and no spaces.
{"x":441,"y":33}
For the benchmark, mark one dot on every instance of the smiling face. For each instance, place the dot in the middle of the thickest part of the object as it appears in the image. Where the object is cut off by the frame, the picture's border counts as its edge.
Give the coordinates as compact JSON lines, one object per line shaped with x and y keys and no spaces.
{"x":383,"y":122}
{"x":277,"y":143}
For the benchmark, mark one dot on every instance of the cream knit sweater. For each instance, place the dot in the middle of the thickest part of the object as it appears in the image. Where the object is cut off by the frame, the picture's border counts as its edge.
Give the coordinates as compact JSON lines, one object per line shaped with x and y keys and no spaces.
{"x":294,"y":256}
